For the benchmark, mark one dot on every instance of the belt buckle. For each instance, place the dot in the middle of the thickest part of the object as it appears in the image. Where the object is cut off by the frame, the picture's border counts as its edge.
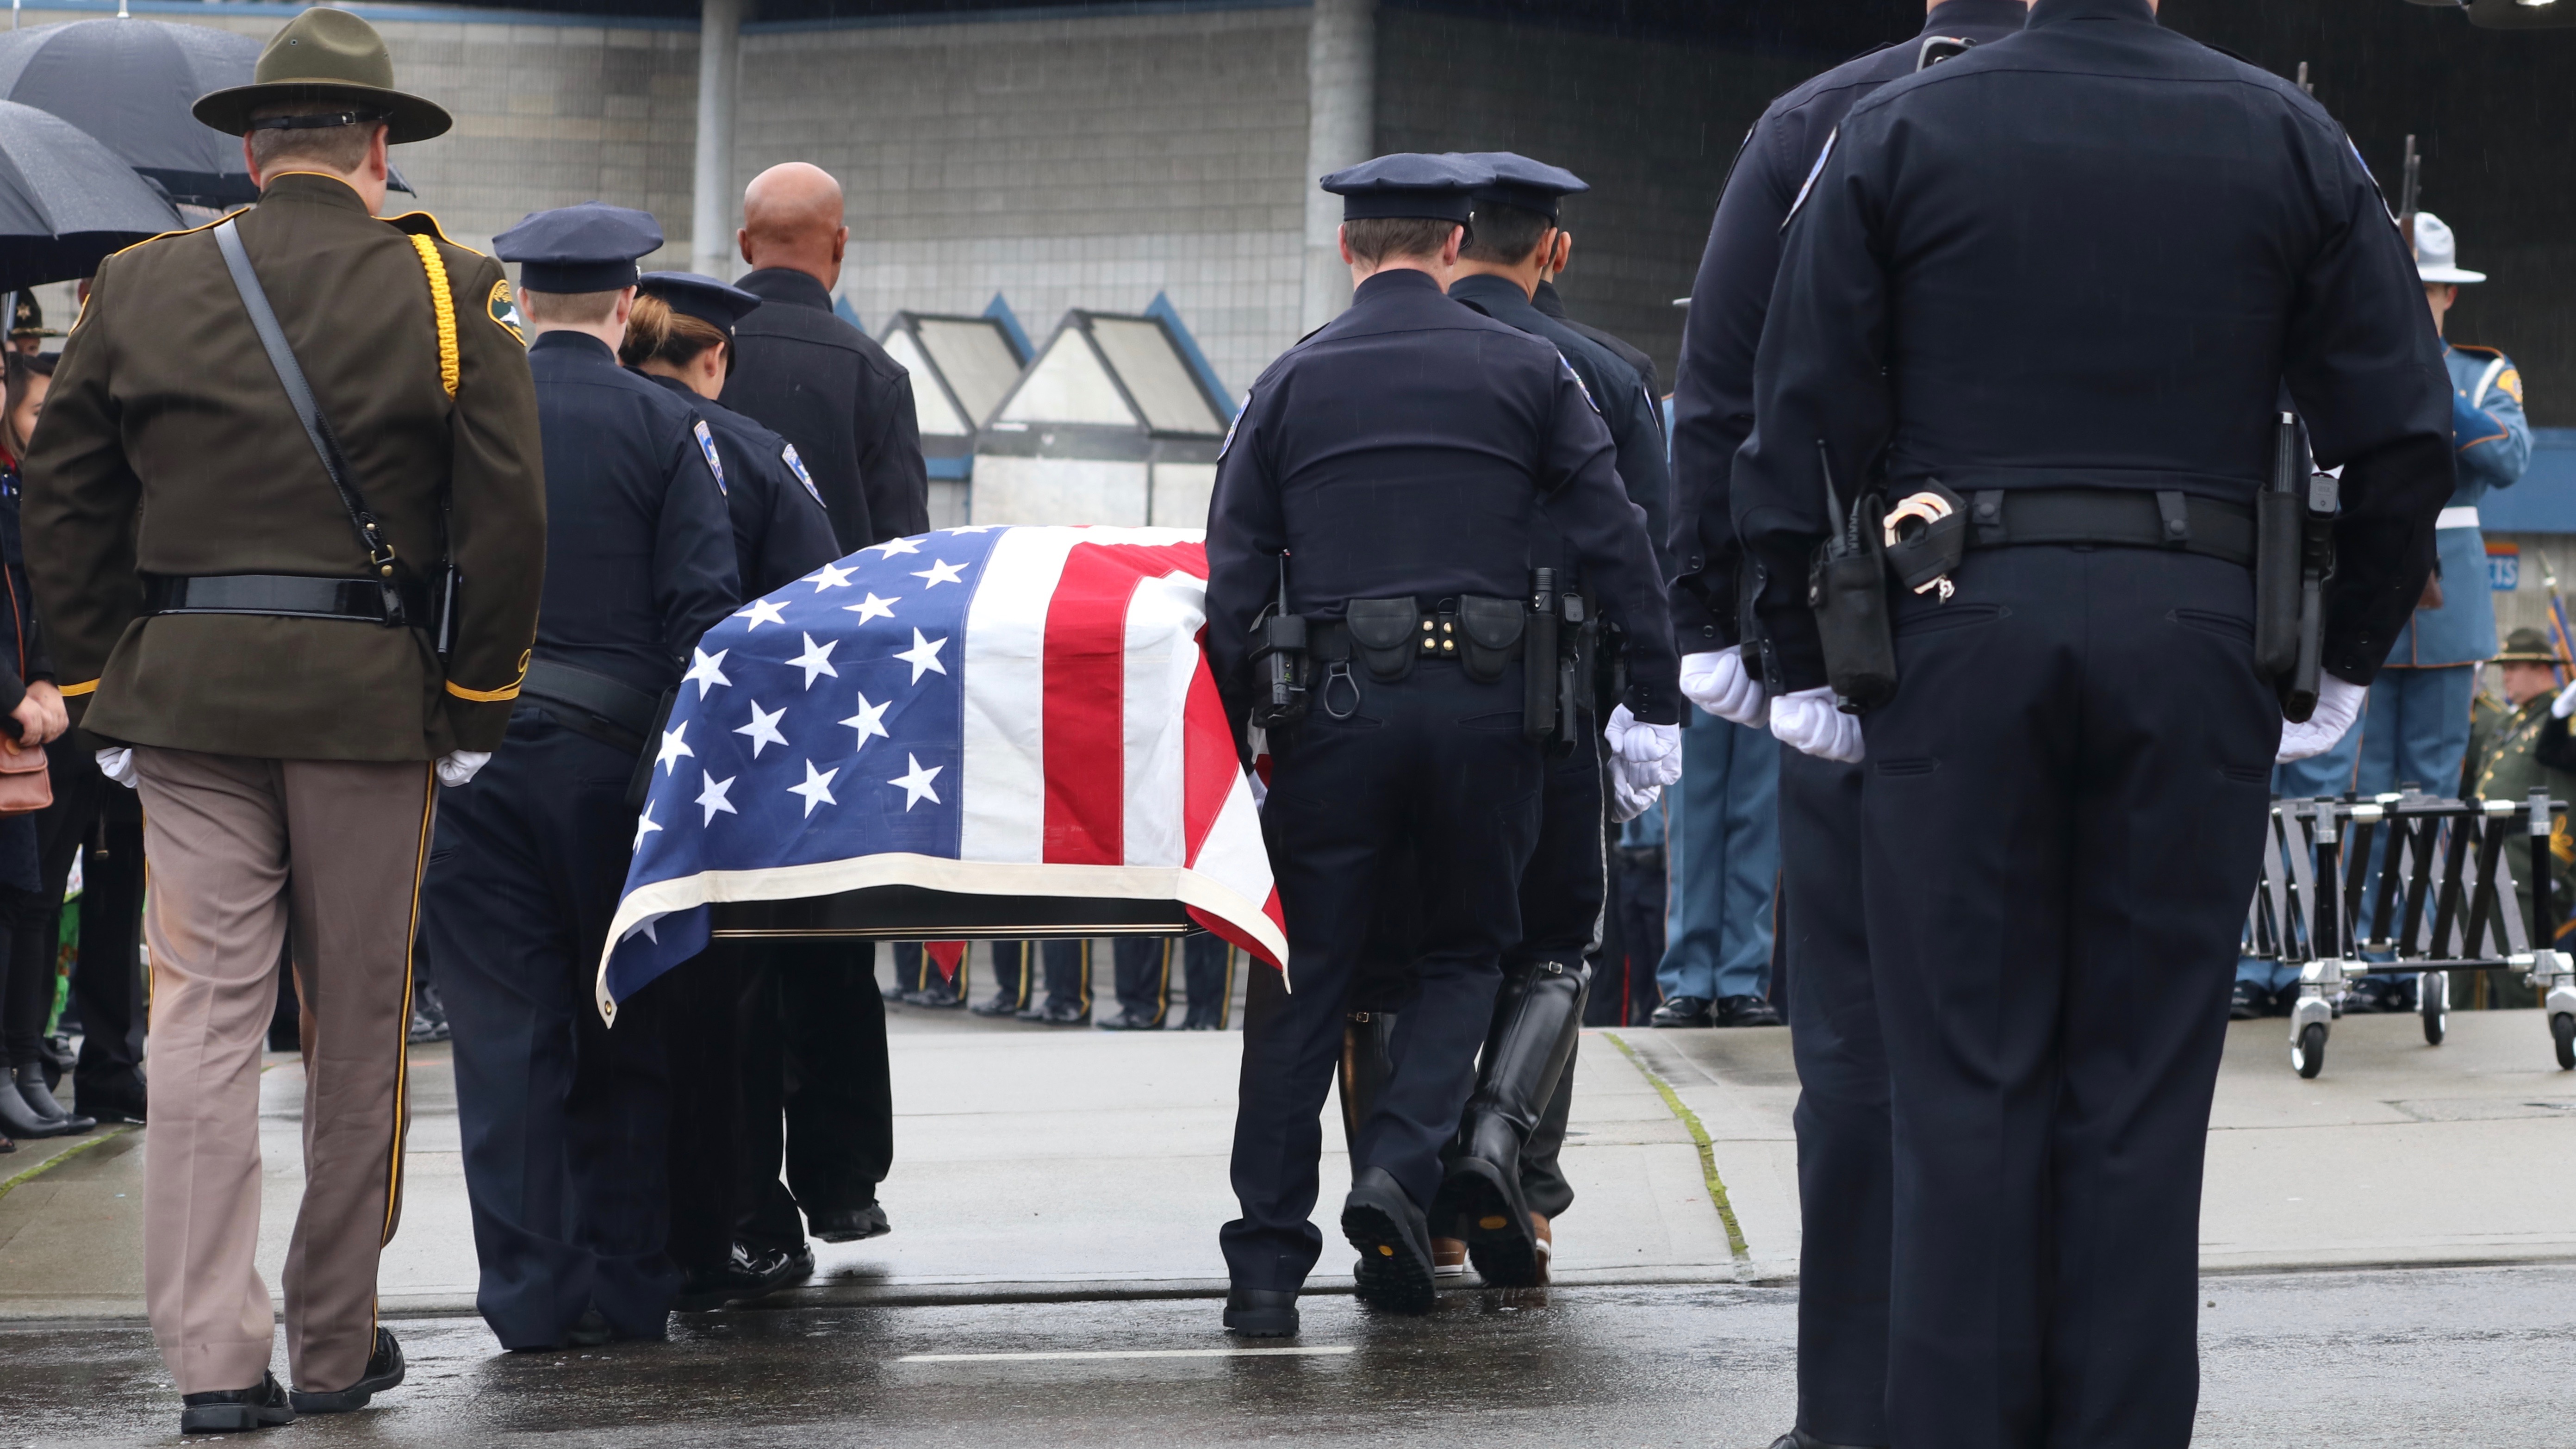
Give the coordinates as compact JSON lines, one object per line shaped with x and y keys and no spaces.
{"x":1926,"y":508}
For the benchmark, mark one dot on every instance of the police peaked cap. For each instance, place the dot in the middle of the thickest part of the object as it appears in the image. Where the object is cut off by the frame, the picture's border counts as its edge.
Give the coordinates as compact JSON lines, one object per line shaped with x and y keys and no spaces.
{"x":325,"y":55}
{"x":1409,"y":183}
{"x":702,"y":297}
{"x":591,"y":247}
{"x":1530,"y":185}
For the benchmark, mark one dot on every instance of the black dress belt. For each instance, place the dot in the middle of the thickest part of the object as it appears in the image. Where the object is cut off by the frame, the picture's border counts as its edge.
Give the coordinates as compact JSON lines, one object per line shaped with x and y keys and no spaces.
{"x":609,"y":710}
{"x":2004,"y":518}
{"x":285,"y":596}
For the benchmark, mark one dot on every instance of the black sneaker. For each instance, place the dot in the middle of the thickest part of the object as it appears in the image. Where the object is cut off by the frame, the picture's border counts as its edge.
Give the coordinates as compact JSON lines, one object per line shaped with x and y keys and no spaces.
{"x":2249,"y":1002}
{"x":230,"y":1411}
{"x":1746,"y":1011}
{"x":384,"y":1371}
{"x":749,"y":1273}
{"x":1684,"y":1011}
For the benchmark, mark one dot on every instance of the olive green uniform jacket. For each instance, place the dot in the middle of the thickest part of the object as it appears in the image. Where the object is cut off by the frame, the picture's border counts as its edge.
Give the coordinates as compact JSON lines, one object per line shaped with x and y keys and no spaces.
{"x":168,"y":447}
{"x":2505,"y":750}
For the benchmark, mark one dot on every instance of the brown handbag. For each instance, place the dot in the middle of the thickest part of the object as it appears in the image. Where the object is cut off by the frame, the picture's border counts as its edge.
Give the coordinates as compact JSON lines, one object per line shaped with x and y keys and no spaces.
{"x":26,"y":784}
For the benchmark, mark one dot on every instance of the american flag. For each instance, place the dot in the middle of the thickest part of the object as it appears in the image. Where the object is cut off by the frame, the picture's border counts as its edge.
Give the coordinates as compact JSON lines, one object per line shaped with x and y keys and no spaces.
{"x":989,"y":710}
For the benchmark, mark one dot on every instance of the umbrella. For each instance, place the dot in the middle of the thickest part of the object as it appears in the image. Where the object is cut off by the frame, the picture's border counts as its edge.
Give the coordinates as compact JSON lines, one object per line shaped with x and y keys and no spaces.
{"x":130,"y":82}
{"x":66,"y":201}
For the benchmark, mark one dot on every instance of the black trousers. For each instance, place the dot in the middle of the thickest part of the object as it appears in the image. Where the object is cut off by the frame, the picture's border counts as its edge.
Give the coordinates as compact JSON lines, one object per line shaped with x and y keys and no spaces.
{"x":564,"y":1121}
{"x":1062,"y":977}
{"x":1143,"y":970}
{"x":107,"y":981}
{"x":701,"y":997}
{"x":817,"y":1094}
{"x":1207,"y":969}
{"x":27,"y":976}
{"x":1846,"y":1168}
{"x":2063,"y":810}
{"x":1436,"y":765}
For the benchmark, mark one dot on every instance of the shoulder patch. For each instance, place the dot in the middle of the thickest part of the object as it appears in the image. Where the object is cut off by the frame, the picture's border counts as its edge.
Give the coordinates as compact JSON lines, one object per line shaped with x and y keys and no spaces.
{"x":503,"y":309}
{"x":707,"y":445}
{"x":796,"y":465}
{"x":2511,"y":381}
{"x":1808,"y":186}
{"x":1578,"y":382}
{"x":1240,"y":408}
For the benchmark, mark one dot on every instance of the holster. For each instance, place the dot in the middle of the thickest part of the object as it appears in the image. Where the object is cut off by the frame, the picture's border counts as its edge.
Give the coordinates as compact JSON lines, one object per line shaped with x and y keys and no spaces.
{"x":1847,"y":589}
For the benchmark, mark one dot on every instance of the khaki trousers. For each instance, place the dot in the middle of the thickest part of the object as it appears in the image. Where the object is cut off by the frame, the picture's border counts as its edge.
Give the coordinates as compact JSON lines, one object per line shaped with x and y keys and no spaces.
{"x":236,"y":848}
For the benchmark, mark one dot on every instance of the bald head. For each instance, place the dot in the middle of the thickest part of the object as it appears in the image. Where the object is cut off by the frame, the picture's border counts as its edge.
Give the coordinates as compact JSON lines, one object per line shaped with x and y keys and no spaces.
{"x":791,"y":217}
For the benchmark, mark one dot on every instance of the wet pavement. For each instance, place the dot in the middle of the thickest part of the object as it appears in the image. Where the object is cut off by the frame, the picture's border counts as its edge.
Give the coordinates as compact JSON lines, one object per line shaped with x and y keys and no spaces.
{"x":2470,"y":1357}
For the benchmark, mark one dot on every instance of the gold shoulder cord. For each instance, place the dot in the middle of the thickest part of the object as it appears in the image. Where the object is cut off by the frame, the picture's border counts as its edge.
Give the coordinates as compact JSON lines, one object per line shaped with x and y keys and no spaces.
{"x":444,"y":306}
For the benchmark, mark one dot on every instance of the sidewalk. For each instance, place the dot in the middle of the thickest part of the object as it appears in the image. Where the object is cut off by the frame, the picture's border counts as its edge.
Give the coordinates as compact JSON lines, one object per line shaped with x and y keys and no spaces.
{"x":1038,"y":1164}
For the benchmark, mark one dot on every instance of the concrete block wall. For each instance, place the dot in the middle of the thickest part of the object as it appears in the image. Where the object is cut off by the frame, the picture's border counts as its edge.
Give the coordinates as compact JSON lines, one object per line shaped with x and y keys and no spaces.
{"x":1090,"y":162}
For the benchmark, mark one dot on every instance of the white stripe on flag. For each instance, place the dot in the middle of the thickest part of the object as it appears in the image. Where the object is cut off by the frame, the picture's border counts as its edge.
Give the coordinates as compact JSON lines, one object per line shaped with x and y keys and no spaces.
{"x":1002,"y":792}
{"x":1163,"y":619}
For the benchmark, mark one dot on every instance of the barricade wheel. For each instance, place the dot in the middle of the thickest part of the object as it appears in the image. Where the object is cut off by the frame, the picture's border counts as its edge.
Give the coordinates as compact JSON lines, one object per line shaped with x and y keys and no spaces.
{"x":2433,"y":1001}
{"x":2562,"y":1030}
{"x":2308,"y":1054}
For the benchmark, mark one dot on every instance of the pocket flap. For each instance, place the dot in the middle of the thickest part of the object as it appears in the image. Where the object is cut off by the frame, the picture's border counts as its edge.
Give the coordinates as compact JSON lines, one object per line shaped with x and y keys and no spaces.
{"x":1492,"y":623}
{"x":1382,"y":623}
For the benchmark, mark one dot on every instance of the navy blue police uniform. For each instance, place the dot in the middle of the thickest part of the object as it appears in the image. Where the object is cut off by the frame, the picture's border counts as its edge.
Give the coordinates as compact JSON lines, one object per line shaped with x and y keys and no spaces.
{"x":563,"y":1120}
{"x":1845,"y":1167}
{"x":1399,"y":457}
{"x":1525,"y":1080}
{"x":780,"y":534}
{"x":2066,"y":277}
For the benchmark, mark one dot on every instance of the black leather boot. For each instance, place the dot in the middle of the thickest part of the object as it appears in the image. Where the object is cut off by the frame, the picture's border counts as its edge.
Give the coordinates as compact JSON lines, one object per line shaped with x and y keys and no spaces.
{"x":1537,"y":1017}
{"x":1261,"y":1313}
{"x":19,"y":1117}
{"x":1388,"y":1228}
{"x":31,"y":1085}
{"x":230,"y":1411}
{"x":1361,"y":1077}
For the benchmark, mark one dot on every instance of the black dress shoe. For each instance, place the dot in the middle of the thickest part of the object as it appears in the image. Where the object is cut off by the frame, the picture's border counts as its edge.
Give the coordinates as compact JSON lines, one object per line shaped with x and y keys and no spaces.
{"x":1202,"y":1023}
{"x":1801,"y":1439}
{"x":1261,"y":1313}
{"x":110,"y":1106}
{"x":937,"y":998}
{"x":2249,"y":1002}
{"x":590,"y":1330}
{"x":848,"y":1224}
{"x":1385,"y":1225}
{"x":1056,"y":1013}
{"x":749,"y":1273}
{"x":229,"y":1411}
{"x":1746,"y":1011}
{"x":1123,"y":1021}
{"x":1683,"y":1011}
{"x":997,"y":1005}
{"x":39,"y":1098}
{"x":384,"y":1371}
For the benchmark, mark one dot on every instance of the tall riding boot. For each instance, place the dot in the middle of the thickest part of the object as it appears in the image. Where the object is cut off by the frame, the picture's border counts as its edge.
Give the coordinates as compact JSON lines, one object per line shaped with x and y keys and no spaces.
{"x":1537,"y":1017}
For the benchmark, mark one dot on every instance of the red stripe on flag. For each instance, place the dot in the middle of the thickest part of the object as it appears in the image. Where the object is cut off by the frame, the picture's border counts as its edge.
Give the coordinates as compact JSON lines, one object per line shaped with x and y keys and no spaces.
{"x":1086,"y":694}
{"x":1209,"y":765}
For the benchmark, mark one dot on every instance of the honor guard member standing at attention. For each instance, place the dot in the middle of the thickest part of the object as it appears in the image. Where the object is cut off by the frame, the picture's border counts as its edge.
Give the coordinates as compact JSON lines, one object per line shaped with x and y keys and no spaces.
{"x":1515,"y":1123}
{"x":271,"y":447}
{"x":680,"y":336}
{"x":2044,"y":299}
{"x":1386,"y":476}
{"x":1845,"y":1171}
{"x":818,"y":1092}
{"x":564,"y":1120}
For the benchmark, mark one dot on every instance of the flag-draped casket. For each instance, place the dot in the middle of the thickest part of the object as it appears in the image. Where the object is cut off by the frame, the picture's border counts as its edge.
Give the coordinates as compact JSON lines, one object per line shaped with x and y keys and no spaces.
{"x":975,"y":717}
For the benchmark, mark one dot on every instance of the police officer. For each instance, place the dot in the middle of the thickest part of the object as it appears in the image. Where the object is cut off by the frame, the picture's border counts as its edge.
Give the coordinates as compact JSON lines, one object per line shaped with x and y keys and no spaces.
{"x":563,"y":1120}
{"x":1392,"y":466}
{"x":2018,"y":280}
{"x":2513,"y":751}
{"x":1143,"y":967}
{"x":1845,"y":1170}
{"x":1525,"y":1085}
{"x":680,"y":336}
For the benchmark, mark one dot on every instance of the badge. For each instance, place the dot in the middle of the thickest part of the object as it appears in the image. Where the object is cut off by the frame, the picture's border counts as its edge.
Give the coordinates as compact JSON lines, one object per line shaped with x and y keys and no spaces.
{"x":503,"y":309}
{"x":796,"y":466}
{"x":707,"y":445}
{"x":1813,"y":172}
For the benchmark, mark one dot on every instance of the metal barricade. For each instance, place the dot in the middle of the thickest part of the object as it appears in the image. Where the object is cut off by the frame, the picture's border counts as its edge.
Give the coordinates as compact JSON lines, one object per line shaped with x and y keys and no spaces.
{"x":2441,"y":897}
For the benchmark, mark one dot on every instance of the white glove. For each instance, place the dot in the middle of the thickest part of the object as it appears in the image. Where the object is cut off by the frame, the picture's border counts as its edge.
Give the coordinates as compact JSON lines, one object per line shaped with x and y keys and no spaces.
{"x":1806,"y":721}
{"x":2566,"y":704}
{"x":118,"y":765}
{"x":1627,"y":800}
{"x":458,"y":766}
{"x":1717,"y":682}
{"x":1651,"y":754}
{"x":2338,"y":705}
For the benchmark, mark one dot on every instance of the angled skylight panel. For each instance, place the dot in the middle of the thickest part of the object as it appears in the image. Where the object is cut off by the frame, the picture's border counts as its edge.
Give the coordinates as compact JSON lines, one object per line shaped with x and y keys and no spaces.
{"x":938,"y":416}
{"x":1068,"y":384}
{"x":976,"y":358}
{"x":1156,"y":374}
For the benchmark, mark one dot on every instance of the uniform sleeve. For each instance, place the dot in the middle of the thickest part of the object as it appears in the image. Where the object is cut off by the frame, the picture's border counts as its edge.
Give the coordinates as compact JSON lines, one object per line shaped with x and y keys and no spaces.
{"x":891,"y":468}
{"x":2489,"y":433}
{"x":1637,"y":432}
{"x":1579,"y":490}
{"x":696,"y":581}
{"x":496,"y":514}
{"x":2364,"y":366}
{"x":82,"y":502}
{"x":1819,"y":373}
{"x":1713,"y":389}
{"x":1246,"y":533}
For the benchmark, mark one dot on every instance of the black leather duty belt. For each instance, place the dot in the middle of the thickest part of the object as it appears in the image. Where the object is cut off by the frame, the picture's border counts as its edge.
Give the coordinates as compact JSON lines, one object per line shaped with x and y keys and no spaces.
{"x":2006,"y":518}
{"x":611,"y":711}
{"x":284,"y":596}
